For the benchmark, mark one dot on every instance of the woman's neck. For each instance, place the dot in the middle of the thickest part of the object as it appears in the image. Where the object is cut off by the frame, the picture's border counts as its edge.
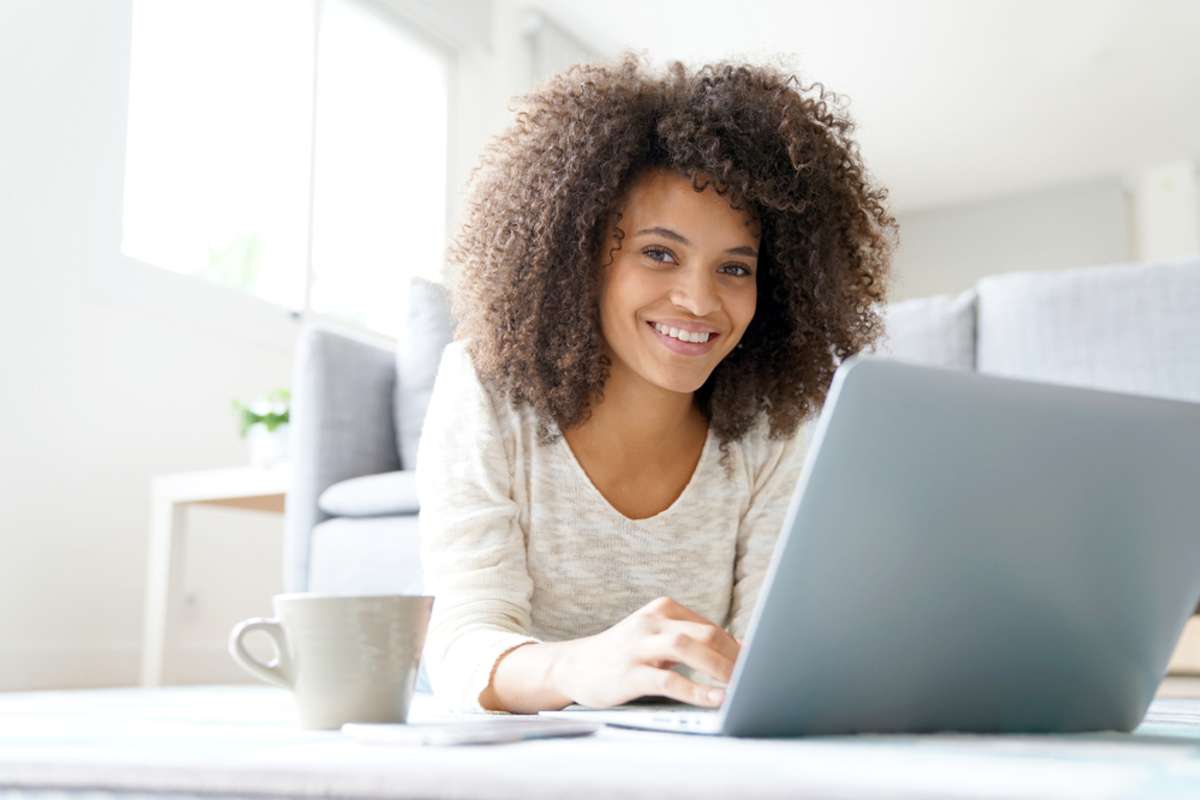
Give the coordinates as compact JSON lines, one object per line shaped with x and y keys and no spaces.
{"x":637,"y":422}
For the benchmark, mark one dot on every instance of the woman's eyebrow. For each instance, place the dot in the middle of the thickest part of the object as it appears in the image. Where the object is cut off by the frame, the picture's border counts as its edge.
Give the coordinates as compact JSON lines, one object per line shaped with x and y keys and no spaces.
{"x":741,"y":250}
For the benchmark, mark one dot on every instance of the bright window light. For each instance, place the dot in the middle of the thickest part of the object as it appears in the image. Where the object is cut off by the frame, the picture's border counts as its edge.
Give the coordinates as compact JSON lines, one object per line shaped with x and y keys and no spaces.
{"x":380,"y":184}
{"x":217,"y":152}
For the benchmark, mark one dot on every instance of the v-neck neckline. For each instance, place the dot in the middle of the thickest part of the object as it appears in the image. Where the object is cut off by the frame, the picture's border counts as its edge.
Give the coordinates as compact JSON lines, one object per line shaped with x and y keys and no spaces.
{"x":581,"y":473}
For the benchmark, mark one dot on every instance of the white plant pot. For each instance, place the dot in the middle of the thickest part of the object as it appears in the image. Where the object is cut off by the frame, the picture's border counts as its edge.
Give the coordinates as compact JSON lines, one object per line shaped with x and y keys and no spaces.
{"x":267,"y":447}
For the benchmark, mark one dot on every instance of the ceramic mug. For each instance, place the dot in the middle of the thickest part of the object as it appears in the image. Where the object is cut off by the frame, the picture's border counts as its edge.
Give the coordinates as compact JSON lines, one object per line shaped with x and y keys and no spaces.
{"x":346,"y":658}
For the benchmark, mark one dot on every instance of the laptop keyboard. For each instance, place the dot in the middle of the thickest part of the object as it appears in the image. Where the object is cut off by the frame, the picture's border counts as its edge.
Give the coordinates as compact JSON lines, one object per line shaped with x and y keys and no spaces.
{"x":675,"y":715}
{"x":674,"y":709}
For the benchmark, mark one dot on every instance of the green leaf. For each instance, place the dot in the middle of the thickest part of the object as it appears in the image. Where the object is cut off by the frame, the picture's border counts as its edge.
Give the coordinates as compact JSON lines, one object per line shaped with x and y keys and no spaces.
{"x":272,"y":419}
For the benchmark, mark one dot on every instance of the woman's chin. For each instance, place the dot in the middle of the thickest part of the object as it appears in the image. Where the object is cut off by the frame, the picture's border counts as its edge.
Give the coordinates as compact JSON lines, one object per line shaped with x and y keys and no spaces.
{"x":683,"y":380}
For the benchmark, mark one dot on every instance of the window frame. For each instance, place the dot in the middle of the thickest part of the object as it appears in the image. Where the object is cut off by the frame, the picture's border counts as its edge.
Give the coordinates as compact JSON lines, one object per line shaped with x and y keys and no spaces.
{"x":114,"y":278}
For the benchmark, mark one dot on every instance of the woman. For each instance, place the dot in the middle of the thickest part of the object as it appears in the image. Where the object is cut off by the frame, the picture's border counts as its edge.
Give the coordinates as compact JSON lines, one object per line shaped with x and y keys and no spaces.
{"x":650,"y":268}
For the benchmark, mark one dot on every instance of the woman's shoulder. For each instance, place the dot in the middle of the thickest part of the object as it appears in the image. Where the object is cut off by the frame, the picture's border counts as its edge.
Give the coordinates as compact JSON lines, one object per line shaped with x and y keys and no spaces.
{"x":760,"y":436}
{"x":457,"y":359}
{"x":763,"y":450}
{"x":458,"y":369}
{"x":468,"y":391}
{"x":463,"y":419}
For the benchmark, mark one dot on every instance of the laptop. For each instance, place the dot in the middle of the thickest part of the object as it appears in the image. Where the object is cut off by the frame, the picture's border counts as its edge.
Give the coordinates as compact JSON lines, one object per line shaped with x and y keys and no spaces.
{"x":967,"y":552}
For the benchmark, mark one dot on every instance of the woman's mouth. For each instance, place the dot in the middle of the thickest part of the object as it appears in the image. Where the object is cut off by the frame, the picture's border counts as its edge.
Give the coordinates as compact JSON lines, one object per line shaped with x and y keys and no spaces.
{"x":681,"y":347}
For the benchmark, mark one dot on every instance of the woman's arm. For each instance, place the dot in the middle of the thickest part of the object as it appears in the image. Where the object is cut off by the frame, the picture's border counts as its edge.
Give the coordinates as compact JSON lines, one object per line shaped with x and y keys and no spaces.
{"x":472,"y":545}
{"x":629,"y":660}
{"x":775,"y":481}
{"x":524,"y":680}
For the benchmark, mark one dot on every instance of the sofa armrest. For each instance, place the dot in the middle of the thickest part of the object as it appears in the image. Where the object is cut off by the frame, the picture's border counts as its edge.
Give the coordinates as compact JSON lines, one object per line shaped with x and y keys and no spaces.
{"x":342,"y":426}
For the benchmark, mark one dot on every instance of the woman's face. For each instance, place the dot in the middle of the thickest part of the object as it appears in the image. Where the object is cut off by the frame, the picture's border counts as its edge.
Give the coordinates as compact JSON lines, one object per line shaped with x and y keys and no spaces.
{"x":687,"y":261}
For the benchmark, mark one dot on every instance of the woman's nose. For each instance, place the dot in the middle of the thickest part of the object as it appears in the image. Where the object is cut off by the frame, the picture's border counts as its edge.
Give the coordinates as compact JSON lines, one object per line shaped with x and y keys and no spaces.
{"x":696,"y":292}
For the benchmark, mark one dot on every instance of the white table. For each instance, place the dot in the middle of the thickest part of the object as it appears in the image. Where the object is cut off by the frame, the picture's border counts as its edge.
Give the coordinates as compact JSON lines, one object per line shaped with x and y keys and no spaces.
{"x":254,"y":488}
{"x":244,"y":740}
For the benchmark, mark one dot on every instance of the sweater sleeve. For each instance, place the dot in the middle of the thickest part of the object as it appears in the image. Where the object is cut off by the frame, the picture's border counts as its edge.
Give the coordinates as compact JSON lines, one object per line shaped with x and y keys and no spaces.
{"x":471,"y":543}
{"x":774,"y":483}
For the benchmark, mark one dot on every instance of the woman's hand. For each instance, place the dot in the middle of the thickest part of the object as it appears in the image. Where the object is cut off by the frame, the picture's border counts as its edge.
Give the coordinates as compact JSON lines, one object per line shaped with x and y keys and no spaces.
{"x":632,"y":658}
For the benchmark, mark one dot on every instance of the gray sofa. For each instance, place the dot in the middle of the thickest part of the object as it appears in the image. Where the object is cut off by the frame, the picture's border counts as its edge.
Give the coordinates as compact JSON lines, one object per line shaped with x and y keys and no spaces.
{"x":358,"y":408}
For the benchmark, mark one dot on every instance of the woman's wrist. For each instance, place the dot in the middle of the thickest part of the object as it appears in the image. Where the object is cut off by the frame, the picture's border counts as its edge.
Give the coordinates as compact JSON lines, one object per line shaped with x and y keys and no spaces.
{"x":558,"y":665}
{"x":525,"y":679}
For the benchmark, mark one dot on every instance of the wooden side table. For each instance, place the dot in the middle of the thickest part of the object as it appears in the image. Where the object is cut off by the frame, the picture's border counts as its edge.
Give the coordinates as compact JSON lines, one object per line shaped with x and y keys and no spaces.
{"x":1186,"y":659}
{"x":255,"y":488}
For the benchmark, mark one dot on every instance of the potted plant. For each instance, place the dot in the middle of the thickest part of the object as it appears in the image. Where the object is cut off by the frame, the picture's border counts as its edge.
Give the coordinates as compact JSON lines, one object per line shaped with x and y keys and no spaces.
{"x":263,"y":424}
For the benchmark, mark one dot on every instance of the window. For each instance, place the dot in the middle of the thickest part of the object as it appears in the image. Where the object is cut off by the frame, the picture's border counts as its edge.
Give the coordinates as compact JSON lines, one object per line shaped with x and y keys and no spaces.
{"x":225,"y":180}
{"x":380,"y":183}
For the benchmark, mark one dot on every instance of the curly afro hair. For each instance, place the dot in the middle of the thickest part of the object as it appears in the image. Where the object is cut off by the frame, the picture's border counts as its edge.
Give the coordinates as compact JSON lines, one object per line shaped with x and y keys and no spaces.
{"x":527,"y":289}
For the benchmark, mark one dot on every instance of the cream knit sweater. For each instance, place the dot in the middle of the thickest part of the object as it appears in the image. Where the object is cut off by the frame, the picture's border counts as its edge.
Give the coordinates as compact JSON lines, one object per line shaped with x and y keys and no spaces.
{"x":518,"y":545}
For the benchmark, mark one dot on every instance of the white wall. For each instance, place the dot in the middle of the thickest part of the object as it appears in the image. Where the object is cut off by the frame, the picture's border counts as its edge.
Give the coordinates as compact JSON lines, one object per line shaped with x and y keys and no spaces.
{"x":1148,"y":214}
{"x":115,"y":371}
{"x":105,"y":385}
{"x":948,"y":249}
{"x":1166,"y":210}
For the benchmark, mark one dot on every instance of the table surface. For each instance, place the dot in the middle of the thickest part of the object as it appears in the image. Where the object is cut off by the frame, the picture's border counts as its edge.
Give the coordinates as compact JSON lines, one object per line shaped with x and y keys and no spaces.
{"x":244,"y":741}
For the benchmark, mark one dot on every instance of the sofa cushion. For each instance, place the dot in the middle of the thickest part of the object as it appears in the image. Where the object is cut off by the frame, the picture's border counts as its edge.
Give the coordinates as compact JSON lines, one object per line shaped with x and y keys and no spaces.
{"x":342,"y":425}
{"x":366,"y":556}
{"x":428,"y":329}
{"x":387,"y":493}
{"x":1127,"y":327}
{"x":935,"y":331}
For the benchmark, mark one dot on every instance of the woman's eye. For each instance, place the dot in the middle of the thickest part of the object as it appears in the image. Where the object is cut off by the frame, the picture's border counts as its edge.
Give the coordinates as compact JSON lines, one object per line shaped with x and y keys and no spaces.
{"x":656,"y":254}
{"x":650,"y":251}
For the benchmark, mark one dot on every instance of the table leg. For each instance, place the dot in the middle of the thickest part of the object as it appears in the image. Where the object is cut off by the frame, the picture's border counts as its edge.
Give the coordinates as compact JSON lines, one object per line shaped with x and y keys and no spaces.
{"x":164,"y":584}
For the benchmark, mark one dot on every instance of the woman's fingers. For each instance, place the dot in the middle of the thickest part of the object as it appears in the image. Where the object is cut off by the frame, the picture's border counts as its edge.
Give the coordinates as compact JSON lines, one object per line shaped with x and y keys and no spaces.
{"x":652,"y":681}
{"x":690,"y":643}
{"x":707,"y":635}
{"x":720,"y":639}
{"x":675,"y":610}
{"x":716,"y":638}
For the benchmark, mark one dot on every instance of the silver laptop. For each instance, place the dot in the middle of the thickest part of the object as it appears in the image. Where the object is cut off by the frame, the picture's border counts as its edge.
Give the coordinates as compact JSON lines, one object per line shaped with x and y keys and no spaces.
{"x":966,"y":552}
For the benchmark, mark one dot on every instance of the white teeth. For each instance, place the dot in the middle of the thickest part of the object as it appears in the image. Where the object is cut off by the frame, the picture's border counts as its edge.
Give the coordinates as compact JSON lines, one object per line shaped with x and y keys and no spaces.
{"x":686,"y":336}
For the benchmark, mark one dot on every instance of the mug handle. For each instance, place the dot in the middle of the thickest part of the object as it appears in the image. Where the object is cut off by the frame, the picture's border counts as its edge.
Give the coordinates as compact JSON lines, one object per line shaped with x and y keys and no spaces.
{"x":279,"y":671}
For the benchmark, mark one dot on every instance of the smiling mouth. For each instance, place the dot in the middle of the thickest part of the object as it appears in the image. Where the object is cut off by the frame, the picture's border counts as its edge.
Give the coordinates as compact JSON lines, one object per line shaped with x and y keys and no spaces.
{"x":681,"y":347}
